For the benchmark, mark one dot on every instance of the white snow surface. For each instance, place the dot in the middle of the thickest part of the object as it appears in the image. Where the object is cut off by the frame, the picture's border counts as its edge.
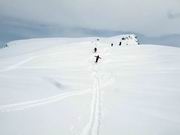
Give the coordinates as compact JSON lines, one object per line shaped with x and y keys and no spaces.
{"x":53,"y":87}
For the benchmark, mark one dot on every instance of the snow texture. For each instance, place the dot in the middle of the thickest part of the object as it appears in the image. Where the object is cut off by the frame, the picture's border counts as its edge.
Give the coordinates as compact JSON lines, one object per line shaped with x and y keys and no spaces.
{"x":53,"y":86}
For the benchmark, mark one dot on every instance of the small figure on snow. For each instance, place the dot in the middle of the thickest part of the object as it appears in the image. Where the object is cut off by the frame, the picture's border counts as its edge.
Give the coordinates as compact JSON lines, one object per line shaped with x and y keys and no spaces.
{"x":97,"y":58}
{"x":119,"y":43}
{"x":111,"y":44}
{"x":95,"y":50}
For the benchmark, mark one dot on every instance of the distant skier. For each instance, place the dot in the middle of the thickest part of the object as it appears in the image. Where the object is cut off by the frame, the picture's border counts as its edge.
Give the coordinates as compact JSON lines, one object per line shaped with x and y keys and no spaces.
{"x":111,"y":44}
{"x":95,"y":50}
{"x":97,"y":58}
{"x":119,"y":43}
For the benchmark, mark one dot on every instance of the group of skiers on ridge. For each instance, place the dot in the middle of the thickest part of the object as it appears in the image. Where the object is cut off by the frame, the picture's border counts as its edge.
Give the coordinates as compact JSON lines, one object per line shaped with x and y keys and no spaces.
{"x":112,"y":44}
{"x":95,"y":51}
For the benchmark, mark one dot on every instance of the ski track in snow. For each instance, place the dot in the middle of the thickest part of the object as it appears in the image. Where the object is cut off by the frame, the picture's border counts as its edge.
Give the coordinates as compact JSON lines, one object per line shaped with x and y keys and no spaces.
{"x":43,"y":101}
{"x":39,"y":102}
{"x":94,"y":123}
{"x":15,"y":66}
{"x":18,"y":64}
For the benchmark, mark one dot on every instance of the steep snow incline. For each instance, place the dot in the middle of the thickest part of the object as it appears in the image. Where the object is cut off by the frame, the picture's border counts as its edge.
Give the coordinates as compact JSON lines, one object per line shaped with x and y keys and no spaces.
{"x":58,"y":89}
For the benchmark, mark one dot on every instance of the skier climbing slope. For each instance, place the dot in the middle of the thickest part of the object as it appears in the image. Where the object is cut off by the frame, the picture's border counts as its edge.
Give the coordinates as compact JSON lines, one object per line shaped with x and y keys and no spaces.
{"x":97,"y":58}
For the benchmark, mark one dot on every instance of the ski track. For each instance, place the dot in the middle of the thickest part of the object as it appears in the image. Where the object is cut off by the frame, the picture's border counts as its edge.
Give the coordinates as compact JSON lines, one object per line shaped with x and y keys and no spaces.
{"x":15,"y":66}
{"x":94,"y":123}
{"x":18,"y":64}
{"x":35,"y":103}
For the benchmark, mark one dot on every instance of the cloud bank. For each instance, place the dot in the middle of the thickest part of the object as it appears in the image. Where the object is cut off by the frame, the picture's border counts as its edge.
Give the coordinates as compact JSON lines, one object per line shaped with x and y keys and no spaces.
{"x":149,"y":17}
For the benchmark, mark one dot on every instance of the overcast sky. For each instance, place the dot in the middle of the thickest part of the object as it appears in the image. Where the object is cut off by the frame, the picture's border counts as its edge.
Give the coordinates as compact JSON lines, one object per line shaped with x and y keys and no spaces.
{"x":149,"y":17}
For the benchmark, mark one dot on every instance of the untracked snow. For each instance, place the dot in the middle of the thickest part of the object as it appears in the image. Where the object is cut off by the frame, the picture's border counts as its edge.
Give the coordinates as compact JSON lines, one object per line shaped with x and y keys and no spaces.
{"x":54,"y":87}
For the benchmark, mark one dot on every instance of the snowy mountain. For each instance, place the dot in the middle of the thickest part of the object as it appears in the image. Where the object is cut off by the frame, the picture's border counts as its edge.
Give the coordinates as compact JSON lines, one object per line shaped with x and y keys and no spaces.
{"x":15,"y":29}
{"x":53,"y":86}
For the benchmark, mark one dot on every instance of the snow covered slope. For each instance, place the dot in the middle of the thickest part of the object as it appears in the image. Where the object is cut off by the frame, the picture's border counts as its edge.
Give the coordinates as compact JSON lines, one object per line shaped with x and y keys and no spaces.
{"x":122,"y":40}
{"x":53,"y":87}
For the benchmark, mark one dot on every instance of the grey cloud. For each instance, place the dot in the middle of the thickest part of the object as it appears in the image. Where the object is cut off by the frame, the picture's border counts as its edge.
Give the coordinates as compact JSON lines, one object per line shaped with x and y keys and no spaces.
{"x":173,"y":15}
{"x":14,"y":29}
{"x":144,"y":16}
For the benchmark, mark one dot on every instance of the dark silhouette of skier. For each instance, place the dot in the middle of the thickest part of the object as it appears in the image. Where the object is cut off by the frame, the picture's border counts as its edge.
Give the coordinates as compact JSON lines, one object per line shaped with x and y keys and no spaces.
{"x":95,"y":50}
{"x":97,"y":58}
{"x":111,"y":44}
{"x":119,"y":43}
